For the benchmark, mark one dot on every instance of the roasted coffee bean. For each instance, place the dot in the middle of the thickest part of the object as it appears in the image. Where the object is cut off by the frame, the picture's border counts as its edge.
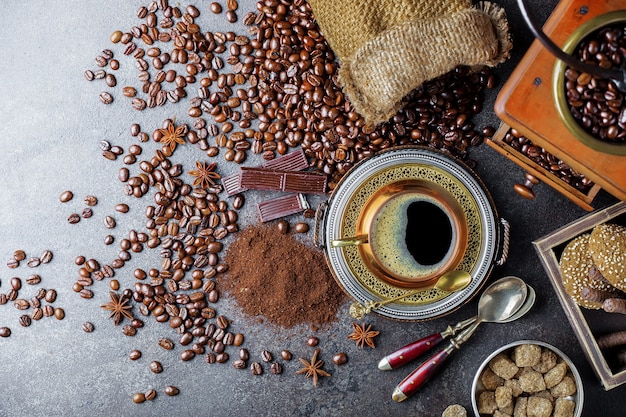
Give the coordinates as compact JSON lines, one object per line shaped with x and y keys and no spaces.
{"x":282,"y":226}
{"x":129,"y":91}
{"x":187,"y":355}
{"x":5,"y":332}
{"x":171,"y":390}
{"x":109,"y":222}
{"x":46,"y":257}
{"x":85,"y":293}
{"x":215,"y":7}
{"x":73,"y":218}
{"x":286,"y":355}
{"x":25,"y":320}
{"x":88,"y":327}
{"x":256,"y":368}
{"x":150,"y":395}
{"x":276,"y":368}
{"x":231,"y":16}
{"x":33,"y":279}
{"x":33,"y":262}
{"x":59,"y":313}
{"x":66,"y":196}
{"x":266,"y":356}
{"x":87,"y":213}
{"x":48,"y":310}
{"x":109,"y":239}
{"x":222,"y":322}
{"x":12,"y":264}
{"x":239,"y":364}
{"x":36,"y":314}
{"x":313,"y":341}
{"x":209,"y":358}
{"x":106,"y":98}
{"x":21,"y":304}
{"x":51,"y":296}
{"x":340,"y":358}
{"x":221,"y":357}
{"x":139,"y":397}
{"x":91,"y":200}
{"x":134,"y":354}
{"x":12,"y":295}
{"x":238,"y":339}
{"x":156,"y":367}
{"x":16,"y":283}
{"x":129,"y":330}
{"x":301,"y":227}
{"x":19,"y":255}
{"x":166,"y":344}
{"x":110,"y":80}
{"x":244,"y":355}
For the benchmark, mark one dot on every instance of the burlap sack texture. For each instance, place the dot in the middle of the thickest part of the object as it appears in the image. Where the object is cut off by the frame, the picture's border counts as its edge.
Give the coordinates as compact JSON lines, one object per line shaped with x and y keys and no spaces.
{"x":387,"y":48}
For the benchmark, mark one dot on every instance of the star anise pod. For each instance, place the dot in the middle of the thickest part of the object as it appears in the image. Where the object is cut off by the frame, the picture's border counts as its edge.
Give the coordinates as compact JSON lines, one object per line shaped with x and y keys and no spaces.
{"x":205,"y":174}
{"x":313,"y":369}
{"x":172,"y":136}
{"x":119,"y":308}
{"x":363,"y":335}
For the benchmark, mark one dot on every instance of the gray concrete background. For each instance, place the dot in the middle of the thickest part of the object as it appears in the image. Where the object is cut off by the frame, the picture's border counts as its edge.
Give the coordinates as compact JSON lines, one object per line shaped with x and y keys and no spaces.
{"x":51,"y":122}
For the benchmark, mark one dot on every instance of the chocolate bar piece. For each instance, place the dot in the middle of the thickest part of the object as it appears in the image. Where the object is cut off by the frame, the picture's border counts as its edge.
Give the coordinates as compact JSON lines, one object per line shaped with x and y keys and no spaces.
{"x":294,"y":161}
{"x":287,"y":181}
{"x":282,"y":206}
{"x":231,"y":184}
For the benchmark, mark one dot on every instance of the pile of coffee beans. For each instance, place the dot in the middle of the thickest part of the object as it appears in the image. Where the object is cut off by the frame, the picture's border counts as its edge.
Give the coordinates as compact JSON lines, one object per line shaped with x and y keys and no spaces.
{"x":39,"y":302}
{"x":548,"y":161}
{"x":276,"y":88}
{"x":597,"y":104}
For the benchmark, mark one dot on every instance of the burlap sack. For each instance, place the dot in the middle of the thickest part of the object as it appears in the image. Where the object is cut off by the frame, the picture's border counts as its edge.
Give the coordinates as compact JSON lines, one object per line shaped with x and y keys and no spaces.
{"x":387,"y":48}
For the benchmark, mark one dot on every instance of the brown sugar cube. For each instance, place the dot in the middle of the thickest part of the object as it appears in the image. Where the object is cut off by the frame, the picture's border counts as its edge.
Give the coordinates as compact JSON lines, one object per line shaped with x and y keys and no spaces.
{"x":487,"y":402}
{"x":504,"y":397}
{"x":548,"y":361}
{"x":538,"y":407}
{"x":555,"y":375}
{"x":521,"y":404}
{"x":454,"y":410}
{"x":531,"y":381}
{"x":545,"y":394}
{"x":490,"y":380}
{"x":526,"y":355}
{"x":502,"y":366}
{"x":513,"y":383}
{"x":507,"y":411}
{"x":565,"y":388}
{"x":564,"y":408}
{"x":500,"y":413}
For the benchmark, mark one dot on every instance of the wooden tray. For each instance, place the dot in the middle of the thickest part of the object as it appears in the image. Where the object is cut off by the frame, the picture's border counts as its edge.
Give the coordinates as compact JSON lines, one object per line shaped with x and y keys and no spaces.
{"x":526,"y":102}
{"x":586,"y":324}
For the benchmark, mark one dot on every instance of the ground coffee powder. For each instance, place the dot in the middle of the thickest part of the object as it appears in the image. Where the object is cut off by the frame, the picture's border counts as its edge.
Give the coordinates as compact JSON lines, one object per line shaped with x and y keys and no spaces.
{"x":273,"y":275}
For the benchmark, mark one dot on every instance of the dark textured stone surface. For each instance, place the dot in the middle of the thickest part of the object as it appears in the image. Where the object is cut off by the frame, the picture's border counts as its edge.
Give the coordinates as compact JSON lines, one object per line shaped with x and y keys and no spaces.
{"x":51,"y":122}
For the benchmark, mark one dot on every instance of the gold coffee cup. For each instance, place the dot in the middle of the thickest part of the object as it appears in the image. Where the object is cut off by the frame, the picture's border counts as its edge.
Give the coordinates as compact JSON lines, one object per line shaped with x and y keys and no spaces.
{"x":409,"y":233}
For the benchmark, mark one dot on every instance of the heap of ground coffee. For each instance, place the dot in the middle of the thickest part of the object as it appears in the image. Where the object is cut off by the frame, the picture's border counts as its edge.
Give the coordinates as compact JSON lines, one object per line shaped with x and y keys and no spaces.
{"x":273,"y":275}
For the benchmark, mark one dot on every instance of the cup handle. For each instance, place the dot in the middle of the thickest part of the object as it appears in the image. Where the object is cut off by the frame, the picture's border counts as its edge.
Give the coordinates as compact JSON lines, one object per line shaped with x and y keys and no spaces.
{"x":349,"y":241}
{"x":506,"y":237}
